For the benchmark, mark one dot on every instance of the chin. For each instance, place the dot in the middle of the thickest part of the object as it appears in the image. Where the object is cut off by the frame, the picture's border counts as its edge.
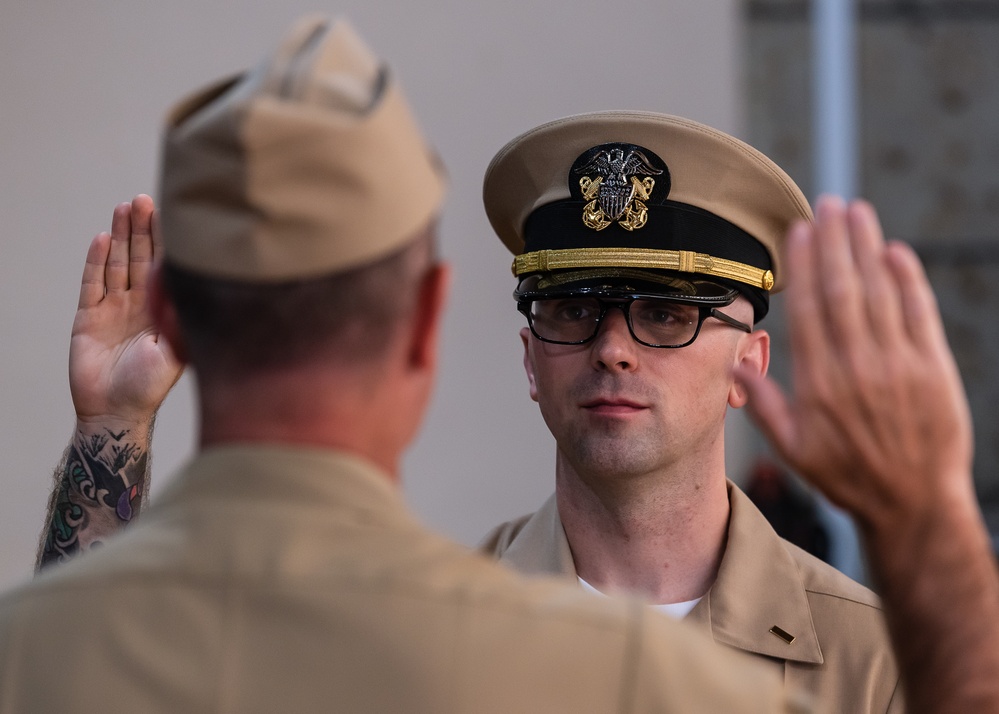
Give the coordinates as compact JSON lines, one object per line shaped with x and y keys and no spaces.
{"x":613,"y":458}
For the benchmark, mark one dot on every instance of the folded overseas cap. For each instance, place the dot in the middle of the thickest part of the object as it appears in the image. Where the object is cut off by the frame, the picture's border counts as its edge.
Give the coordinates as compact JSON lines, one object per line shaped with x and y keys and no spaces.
{"x":308,"y":165}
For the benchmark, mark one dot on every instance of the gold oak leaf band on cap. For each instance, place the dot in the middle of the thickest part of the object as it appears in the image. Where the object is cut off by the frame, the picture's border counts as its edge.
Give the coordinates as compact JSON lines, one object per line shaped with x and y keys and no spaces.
{"x":684,"y":261}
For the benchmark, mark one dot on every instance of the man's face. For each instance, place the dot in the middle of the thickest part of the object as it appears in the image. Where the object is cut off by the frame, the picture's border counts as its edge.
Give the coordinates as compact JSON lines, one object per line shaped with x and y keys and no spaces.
{"x":619,"y":409}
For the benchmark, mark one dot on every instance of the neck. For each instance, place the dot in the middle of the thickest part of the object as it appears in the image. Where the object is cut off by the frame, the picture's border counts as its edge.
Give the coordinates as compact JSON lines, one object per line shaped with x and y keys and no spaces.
{"x":659,"y":535}
{"x":315,"y":409}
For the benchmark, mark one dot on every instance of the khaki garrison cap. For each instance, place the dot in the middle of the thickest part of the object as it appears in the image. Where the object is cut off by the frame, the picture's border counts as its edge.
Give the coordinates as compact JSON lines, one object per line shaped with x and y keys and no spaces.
{"x":309,"y":165}
{"x":631,"y":198}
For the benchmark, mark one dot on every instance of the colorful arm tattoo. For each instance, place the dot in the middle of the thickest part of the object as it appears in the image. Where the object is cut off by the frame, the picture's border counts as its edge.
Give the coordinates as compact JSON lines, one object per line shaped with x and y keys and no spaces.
{"x":99,"y":487}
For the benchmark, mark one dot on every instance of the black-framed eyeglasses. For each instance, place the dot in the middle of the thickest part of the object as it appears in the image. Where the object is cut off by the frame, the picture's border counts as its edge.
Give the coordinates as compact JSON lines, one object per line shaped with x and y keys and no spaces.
{"x":652,"y":320}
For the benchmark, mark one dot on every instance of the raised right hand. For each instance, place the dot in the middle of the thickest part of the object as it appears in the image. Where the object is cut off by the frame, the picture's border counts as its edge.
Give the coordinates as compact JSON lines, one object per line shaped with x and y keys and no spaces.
{"x":878,"y":418}
{"x":119,"y":369}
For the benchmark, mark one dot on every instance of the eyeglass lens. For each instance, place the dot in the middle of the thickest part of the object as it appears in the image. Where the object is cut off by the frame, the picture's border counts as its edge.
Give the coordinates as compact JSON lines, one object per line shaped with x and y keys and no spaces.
{"x":576,"y":319}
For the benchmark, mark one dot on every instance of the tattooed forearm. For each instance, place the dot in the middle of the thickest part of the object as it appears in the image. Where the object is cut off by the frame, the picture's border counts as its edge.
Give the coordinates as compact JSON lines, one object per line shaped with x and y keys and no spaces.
{"x":99,"y":488}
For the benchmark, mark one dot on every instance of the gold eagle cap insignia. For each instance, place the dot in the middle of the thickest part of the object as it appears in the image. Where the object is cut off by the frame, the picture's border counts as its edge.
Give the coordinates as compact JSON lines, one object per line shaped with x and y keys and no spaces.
{"x":616,"y":183}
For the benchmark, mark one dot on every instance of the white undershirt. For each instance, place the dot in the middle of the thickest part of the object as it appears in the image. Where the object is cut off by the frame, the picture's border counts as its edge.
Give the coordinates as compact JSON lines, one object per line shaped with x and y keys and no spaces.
{"x":678,"y":610}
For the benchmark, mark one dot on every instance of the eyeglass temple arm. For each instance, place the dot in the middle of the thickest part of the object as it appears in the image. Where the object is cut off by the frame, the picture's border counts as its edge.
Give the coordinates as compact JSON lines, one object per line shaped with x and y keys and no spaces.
{"x":714,"y":312}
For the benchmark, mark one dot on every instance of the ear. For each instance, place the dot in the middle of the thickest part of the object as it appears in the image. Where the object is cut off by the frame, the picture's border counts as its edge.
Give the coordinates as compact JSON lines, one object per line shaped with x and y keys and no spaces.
{"x":525,"y":336}
{"x":424,"y":339}
{"x":164,"y":315}
{"x":753,"y":353}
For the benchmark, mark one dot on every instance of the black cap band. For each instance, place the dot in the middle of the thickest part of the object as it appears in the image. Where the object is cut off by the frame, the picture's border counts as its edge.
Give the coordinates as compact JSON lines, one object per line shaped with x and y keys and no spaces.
{"x":671,"y":226}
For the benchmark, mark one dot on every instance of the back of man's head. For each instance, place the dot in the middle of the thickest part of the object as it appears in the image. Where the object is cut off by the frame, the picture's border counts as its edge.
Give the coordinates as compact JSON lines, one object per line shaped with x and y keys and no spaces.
{"x":232,"y":329}
{"x":298,"y":203}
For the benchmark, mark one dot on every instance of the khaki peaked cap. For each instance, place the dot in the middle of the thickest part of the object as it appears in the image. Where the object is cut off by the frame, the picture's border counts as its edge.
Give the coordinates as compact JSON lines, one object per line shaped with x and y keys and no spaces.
{"x":705,"y":169}
{"x":309,"y":165}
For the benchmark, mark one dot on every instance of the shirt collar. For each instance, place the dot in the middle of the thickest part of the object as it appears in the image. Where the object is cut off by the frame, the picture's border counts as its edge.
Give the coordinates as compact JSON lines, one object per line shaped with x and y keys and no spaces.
{"x":758,"y":601}
{"x":540,"y":547}
{"x":279,"y":474}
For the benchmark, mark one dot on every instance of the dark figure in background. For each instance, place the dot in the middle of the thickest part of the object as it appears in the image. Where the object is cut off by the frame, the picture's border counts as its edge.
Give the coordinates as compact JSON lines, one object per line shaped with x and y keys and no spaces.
{"x":791,"y":510}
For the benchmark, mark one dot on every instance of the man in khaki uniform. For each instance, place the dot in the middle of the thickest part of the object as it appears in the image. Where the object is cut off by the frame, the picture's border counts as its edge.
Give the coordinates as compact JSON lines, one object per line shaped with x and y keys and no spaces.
{"x":281,"y":571}
{"x":646,"y":247}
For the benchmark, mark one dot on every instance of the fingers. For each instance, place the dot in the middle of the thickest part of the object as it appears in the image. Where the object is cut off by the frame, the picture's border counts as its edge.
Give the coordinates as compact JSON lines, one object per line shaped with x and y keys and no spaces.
{"x":131,"y":251}
{"x":806,"y":324}
{"x":116,"y":269}
{"x":834,"y":260}
{"x":918,"y":305}
{"x":92,"y":285}
{"x":880,"y":291}
{"x":829,"y":266}
{"x":157,"y":233}
{"x":847,"y":288}
{"x":141,"y":241}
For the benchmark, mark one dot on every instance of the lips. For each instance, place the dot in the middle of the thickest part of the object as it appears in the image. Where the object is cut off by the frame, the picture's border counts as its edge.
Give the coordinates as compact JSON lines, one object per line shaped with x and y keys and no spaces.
{"x":613,"y":405}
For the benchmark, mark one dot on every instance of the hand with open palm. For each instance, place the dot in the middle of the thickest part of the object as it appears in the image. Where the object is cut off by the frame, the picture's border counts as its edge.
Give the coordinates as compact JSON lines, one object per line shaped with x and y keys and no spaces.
{"x":119,"y":369}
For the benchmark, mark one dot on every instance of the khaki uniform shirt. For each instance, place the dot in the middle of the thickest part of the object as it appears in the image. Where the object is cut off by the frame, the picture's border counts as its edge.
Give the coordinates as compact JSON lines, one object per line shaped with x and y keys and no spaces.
{"x":269,"y":579}
{"x":840,"y":651}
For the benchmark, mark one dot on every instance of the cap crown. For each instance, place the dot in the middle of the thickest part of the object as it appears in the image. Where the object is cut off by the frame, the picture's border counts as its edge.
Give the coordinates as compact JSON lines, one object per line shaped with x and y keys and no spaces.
{"x":310,"y":164}
{"x":706,"y":169}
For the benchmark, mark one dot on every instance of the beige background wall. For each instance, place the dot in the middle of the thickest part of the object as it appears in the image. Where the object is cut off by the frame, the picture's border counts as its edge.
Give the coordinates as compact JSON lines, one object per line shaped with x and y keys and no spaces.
{"x":82,"y":92}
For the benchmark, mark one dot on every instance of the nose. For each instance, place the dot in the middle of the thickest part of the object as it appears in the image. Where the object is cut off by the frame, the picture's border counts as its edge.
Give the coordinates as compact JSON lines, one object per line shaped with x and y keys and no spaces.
{"x":613,"y":348}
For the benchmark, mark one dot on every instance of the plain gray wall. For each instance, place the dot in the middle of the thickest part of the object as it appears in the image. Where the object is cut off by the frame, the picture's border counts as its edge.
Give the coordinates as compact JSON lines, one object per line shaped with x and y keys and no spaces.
{"x":86,"y":84}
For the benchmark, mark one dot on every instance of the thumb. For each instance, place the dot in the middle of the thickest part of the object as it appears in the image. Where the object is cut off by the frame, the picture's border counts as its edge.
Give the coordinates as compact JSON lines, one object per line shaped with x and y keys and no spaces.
{"x":769,"y":409}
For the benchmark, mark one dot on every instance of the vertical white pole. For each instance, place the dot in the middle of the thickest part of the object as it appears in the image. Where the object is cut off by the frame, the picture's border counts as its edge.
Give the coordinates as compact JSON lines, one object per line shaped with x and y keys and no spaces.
{"x":834,"y":97}
{"x":835,"y":151}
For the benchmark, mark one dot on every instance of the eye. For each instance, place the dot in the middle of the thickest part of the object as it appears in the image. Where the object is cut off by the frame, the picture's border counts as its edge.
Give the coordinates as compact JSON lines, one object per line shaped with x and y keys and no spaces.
{"x":662,"y":313}
{"x":569,"y":311}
